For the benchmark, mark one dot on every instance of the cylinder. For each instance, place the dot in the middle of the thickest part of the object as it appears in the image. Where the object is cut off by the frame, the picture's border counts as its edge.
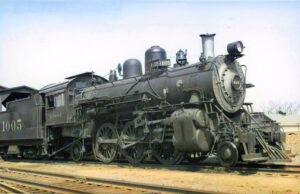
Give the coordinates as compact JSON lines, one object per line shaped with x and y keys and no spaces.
{"x":154,"y":53}
{"x":132,"y":68}
{"x":191,"y":132}
{"x":208,"y":45}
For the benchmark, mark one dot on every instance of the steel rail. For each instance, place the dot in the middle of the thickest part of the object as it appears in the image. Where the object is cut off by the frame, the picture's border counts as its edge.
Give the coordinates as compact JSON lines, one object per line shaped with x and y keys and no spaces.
{"x":40,"y":185}
{"x":290,"y":169}
{"x":278,"y":168}
{"x":153,"y":164}
{"x":149,"y":187}
{"x":10,"y":189}
{"x":14,"y":186}
{"x":257,"y":168}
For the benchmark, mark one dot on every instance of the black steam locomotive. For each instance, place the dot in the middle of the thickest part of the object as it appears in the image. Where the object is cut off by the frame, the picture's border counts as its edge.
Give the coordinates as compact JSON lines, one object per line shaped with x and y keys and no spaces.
{"x":190,"y":111}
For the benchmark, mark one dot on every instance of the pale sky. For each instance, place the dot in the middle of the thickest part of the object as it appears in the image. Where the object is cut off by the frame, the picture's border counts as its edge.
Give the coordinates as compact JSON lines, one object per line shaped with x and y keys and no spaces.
{"x":43,"y":42}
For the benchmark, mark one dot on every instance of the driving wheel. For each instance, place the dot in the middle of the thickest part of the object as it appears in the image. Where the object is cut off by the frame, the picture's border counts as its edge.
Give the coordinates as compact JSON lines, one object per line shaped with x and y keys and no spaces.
{"x":105,"y":146}
{"x":166,"y":154}
{"x":135,"y":152}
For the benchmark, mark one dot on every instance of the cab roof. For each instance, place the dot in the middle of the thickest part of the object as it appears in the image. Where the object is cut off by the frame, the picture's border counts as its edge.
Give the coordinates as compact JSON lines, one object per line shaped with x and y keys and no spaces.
{"x":61,"y":86}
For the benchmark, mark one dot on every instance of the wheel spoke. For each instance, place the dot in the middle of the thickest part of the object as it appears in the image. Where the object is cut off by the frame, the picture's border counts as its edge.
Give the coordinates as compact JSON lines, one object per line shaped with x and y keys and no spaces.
{"x":105,"y":146}
{"x":136,"y":153}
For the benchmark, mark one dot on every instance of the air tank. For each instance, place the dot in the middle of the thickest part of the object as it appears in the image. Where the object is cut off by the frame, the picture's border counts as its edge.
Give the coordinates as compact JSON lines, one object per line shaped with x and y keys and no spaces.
{"x":132,"y":68}
{"x":154,"y":53}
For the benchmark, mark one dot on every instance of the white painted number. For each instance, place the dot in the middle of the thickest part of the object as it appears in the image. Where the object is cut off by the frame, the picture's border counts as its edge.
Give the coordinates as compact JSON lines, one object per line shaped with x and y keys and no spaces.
{"x":19,"y":124}
{"x":12,"y":126}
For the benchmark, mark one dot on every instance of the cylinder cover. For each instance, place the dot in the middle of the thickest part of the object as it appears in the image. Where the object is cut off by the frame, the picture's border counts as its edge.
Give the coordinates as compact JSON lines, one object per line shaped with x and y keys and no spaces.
{"x":191,"y":131}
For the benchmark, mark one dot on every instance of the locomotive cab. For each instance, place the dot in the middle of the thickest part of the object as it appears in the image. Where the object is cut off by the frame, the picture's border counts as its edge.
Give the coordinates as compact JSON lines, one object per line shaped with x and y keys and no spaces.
{"x":60,"y":97}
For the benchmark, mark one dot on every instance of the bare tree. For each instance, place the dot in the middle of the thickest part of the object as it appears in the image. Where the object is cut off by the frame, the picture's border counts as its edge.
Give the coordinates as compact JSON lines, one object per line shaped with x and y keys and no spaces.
{"x":290,"y":108}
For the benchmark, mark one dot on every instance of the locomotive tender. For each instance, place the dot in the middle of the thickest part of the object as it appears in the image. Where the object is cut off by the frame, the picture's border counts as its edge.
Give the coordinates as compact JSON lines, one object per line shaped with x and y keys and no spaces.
{"x":190,"y":111}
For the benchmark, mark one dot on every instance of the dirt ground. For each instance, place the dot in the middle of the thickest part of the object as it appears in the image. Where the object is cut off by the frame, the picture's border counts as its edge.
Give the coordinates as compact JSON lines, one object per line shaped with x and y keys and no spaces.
{"x":213,"y":182}
{"x":293,"y":144}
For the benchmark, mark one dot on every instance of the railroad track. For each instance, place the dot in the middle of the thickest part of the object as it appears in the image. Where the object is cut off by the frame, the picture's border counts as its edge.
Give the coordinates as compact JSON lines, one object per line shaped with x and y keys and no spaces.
{"x":246,"y":168}
{"x":274,"y":168}
{"x":29,"y":181}
{"x":16,"y":187}
{"x":216,"y":168}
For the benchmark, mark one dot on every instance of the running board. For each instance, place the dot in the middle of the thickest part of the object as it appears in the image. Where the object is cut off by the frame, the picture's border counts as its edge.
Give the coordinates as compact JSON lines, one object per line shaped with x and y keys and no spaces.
{"x":254,"y":157}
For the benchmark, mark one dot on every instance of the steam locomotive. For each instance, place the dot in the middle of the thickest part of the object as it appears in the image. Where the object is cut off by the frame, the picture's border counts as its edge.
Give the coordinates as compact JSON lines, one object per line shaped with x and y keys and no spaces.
{"x":188,"y":111}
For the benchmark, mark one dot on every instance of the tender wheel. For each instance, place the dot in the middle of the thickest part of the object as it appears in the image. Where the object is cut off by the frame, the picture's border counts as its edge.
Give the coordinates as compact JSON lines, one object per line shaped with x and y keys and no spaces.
{"x":4,"y":156}
{"x":135,"y":154}
{"x":105,"y":145}
{"x":227,"y":154}
{"x":195,"y":157}
{"x":77,"y":152}
{"x":166,"y":154}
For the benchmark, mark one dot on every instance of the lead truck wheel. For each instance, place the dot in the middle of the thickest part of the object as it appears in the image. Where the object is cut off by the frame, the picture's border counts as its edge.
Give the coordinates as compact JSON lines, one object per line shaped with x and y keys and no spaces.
{"x":227,"y":154}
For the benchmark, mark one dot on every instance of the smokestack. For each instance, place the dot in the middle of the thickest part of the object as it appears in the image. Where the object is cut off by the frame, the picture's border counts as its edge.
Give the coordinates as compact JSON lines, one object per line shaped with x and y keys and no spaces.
{"x":208,"y":45}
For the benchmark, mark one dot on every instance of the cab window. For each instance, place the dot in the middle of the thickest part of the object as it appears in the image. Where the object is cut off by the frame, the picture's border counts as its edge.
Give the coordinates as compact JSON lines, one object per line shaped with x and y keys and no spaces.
{"x":57,"y":100}
{"x":50,"y":101}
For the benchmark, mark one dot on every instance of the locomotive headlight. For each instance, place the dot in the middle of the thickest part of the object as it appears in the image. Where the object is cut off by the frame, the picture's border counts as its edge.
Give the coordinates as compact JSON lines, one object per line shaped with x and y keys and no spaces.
{"x":235,"y":48}
{"x":236,"y":82}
